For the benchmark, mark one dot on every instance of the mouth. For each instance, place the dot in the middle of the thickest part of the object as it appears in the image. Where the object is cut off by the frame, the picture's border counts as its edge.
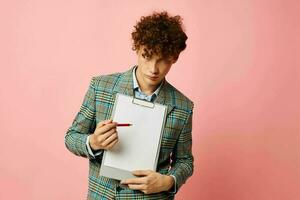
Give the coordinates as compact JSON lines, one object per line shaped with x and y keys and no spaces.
{"x":153,"y":78}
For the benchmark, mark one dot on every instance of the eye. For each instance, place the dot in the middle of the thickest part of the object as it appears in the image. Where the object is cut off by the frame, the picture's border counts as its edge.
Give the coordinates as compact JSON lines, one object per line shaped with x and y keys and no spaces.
{"x":146,"y":57}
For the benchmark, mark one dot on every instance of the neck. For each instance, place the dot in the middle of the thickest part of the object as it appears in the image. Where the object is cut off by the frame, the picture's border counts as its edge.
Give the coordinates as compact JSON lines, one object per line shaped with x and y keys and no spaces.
{"x":148,"y":90}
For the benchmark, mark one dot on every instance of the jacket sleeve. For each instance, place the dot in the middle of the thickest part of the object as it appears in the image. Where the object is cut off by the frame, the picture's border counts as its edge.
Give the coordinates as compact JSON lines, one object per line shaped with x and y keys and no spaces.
{"x":83,"y":125}
{"x":182,"y":165}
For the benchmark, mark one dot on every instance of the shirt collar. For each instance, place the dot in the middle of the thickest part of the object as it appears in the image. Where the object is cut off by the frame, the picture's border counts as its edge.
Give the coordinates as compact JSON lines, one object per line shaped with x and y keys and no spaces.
{"x":137,"y":87}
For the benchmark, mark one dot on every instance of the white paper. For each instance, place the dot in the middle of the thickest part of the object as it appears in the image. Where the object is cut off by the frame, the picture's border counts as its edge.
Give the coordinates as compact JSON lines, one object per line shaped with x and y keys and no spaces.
{"x":138,"y":144}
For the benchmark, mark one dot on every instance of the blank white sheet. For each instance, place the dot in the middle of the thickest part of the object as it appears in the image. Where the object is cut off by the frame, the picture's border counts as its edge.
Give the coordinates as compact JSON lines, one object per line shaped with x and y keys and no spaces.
{"x":139,"y":144}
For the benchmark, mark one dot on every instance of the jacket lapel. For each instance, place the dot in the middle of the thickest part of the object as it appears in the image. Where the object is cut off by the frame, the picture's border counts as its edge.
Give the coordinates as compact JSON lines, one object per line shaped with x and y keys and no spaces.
{"x":165,"y":97}
{"x":125,"y":84}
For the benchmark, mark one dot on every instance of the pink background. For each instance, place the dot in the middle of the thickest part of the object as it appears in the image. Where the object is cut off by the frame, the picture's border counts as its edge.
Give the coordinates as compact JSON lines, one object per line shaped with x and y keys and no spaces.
{"x":241,"y":68}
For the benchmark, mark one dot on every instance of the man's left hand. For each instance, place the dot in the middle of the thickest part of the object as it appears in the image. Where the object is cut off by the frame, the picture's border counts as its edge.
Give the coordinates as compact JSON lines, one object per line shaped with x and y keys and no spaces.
{"x":149,"y":181}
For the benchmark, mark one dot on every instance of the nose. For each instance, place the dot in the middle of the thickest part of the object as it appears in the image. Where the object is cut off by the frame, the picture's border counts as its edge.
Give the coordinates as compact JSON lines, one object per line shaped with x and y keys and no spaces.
{"x":153,"y":68}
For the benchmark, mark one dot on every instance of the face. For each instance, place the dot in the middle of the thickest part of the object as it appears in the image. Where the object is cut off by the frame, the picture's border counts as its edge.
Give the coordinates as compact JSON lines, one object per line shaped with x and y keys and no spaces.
{"x":151,"y":70}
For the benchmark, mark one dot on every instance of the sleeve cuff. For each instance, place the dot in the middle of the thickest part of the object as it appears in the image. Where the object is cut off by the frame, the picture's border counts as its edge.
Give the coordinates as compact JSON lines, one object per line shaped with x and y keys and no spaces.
{"x":93,"y":155}
{"x":174,"y":188}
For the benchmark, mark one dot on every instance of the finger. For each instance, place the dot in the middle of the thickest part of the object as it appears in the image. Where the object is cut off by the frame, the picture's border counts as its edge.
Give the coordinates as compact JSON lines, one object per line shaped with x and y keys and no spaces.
{"x":110,"y":139}
{"x":145,"y":191}
{"x":137,"y":186}
{"x":106,"y":127}
{"x":142,"y":172}
{"x":134,"y":181}
{"x":102,"y":137}
{"x":102,"y":123}
{"x":112,"y":144}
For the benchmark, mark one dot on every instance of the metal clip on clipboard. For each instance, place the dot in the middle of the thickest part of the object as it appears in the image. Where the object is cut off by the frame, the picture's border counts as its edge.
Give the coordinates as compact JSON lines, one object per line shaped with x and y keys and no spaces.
{"x":142,"y":102}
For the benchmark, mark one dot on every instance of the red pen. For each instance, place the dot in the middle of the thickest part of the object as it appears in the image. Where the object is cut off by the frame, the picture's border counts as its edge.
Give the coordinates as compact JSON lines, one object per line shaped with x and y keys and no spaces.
{"x":124,"y":124}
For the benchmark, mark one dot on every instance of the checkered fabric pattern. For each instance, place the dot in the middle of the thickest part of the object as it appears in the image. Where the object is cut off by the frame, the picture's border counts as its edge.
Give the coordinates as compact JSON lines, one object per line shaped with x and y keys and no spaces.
{"x":175,"y":157}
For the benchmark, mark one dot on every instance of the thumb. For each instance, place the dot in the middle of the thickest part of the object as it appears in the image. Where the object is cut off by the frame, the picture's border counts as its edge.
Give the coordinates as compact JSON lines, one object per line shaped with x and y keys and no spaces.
{"x":141,"y":172}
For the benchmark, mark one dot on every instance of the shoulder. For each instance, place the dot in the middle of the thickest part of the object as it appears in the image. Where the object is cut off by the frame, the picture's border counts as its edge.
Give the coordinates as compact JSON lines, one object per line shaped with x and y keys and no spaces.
{"x":108,"y":82}
{"x":102,"y":80}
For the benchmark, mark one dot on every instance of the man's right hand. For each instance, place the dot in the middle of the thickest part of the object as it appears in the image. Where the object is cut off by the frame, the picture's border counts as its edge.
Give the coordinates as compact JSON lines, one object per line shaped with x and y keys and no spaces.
{"x":105,"y":135}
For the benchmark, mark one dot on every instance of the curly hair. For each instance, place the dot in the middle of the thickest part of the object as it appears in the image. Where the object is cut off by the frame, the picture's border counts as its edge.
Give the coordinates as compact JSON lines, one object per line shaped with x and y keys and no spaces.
{"x":161,"y":34}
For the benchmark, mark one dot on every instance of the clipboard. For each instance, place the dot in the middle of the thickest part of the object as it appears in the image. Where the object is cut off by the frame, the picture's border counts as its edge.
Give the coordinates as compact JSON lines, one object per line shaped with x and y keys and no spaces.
{"x":139,"y":145}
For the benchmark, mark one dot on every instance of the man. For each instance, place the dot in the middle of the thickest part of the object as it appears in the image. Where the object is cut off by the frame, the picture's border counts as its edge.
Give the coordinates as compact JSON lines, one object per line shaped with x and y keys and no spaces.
{"x":158,"y":40}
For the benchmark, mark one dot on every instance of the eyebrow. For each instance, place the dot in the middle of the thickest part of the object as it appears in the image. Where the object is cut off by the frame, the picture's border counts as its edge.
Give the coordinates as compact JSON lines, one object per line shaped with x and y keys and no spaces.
{"x":169,"y":59}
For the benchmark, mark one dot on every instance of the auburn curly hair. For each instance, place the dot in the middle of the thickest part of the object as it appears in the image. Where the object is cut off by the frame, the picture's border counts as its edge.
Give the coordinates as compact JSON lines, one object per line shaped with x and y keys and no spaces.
{"x":161,"y":34}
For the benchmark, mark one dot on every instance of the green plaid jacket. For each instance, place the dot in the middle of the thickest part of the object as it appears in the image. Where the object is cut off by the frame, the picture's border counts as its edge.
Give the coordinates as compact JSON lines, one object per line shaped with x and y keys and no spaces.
{"x":175,"y":156}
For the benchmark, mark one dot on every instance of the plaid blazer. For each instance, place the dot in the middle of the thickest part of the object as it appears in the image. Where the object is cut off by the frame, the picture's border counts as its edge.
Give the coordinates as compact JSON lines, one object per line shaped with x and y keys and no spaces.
{"x":175,"y":157}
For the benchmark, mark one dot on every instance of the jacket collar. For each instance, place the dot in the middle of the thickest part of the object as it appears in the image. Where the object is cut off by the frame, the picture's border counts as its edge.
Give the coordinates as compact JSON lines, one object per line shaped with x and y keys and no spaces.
{"x":164,"y":97}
